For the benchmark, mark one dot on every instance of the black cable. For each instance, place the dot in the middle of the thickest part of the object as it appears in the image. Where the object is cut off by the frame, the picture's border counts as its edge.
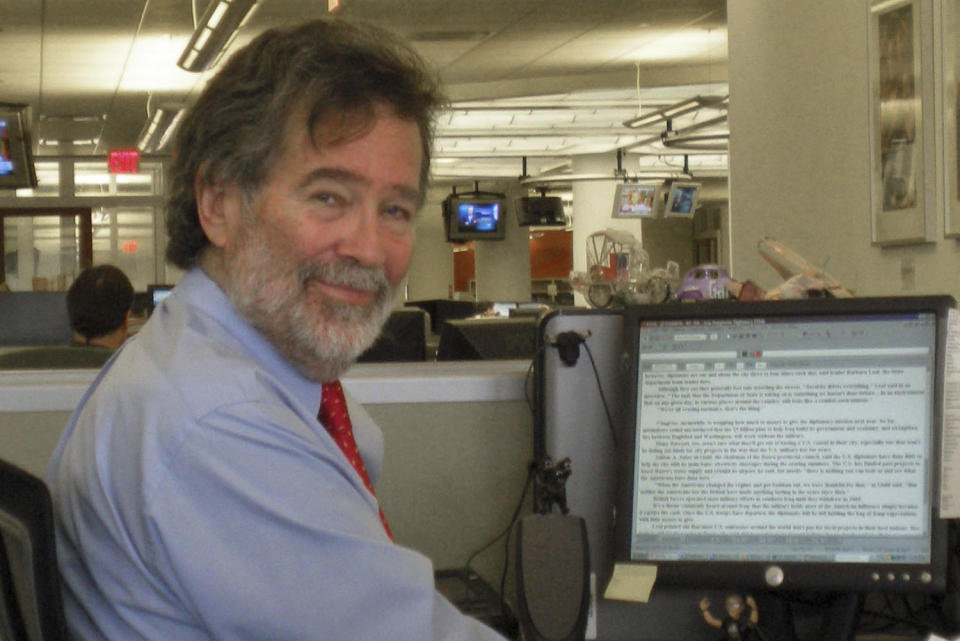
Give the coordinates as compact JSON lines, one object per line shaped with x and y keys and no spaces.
{"x":526,"y":382}
{"x":603,"y":398}
{"x":505,"y":533}
{"x":917,"y":618}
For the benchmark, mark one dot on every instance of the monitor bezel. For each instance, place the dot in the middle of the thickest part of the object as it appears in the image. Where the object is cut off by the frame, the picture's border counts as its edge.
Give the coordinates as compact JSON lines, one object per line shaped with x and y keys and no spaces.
{"x":748,"y":575}
{"x":456,"y":234}
{"x":675,"y":187}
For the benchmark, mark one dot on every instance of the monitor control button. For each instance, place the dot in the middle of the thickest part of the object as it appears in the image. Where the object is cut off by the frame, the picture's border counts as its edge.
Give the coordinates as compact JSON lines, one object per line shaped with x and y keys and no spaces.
{"x":773,"y":576}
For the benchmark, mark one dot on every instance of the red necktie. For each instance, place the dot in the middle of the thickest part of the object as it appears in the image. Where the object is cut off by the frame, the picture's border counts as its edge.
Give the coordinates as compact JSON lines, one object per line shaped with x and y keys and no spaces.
{"x":334,"y":416}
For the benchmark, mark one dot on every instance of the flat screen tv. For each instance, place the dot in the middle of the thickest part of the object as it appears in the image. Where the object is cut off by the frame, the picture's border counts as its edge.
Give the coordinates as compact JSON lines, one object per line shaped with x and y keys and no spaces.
{"x":785,"y":445}
{"x":475,"y":216}
{"x":682,"y":199}
{"x":544,"y":211}
{"x":637,"y":200}
{"x":16,"y":152}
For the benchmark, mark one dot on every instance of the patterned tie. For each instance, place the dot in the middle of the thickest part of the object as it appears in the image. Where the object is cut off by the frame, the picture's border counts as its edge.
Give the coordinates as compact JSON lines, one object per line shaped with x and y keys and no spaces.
{"x":334,"y":416}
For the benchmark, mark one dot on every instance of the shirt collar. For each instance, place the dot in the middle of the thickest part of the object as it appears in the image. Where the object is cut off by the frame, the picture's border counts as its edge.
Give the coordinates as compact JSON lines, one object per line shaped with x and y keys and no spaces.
{"x":199,"y":291}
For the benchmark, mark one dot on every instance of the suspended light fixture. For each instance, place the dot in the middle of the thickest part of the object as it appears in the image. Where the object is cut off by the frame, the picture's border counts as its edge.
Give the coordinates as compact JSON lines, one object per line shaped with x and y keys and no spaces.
{"x":159,"y":129}
{"x":217,"y":27}
{"x":677,"y":109}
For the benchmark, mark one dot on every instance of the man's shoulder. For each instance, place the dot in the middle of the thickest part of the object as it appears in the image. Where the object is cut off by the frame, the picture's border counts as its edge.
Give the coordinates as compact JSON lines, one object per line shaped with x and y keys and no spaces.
{"x":194,"y":371}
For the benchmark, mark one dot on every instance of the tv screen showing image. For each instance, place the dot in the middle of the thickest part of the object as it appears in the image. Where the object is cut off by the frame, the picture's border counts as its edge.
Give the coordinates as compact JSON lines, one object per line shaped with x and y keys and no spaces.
{"x":475,"y":217}
{"x":633,"y":200}
{"x":682,"y":199}
{"x":16,"y":156}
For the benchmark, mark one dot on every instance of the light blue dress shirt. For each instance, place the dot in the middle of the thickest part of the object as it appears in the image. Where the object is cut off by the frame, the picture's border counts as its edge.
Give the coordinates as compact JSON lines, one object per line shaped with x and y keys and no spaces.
{"x":198,"y":498}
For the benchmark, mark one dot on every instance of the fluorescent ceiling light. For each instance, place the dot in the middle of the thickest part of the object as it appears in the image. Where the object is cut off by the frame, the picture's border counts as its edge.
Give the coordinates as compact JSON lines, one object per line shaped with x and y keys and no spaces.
{"x":217,"y":27}
{"x":699,"y":142}
{"x":157,"y":131}
{"x":677,"y":109}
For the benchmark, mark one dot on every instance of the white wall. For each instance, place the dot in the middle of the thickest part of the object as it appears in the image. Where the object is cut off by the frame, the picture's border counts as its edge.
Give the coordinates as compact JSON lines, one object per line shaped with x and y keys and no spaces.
{"x":799,"y":150}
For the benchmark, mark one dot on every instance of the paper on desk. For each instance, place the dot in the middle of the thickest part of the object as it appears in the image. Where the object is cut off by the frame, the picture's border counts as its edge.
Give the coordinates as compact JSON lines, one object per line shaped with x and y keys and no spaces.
{"x":950,"y":440}
{"x":631,"y":582}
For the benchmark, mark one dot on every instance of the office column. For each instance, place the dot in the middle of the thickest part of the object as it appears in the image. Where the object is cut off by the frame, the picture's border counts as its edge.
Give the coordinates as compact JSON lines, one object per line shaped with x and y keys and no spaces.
{"x":593,"y":206}
{"x":503,"y":267}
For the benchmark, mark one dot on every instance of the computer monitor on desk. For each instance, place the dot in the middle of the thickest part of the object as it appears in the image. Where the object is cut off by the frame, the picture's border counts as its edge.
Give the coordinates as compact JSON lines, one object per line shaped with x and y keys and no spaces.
{"x":785,"y":446}
{"x":488,"y":339}
{"x":155,"y":295}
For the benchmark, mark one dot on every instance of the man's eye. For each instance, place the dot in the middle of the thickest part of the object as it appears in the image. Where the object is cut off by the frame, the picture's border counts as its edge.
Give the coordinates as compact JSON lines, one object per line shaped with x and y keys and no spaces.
{"x":398,"y":213}
{"x":325,"y":197}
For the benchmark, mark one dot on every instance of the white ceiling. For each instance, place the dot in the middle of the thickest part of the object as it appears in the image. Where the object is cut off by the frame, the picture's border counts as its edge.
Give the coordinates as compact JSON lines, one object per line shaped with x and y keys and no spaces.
{"x":538,"y":80}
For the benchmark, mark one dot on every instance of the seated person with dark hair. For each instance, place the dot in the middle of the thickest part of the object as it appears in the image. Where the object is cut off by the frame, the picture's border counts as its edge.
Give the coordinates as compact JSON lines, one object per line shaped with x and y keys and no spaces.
{"x":98,"y":309}
{"x":98,"y":304}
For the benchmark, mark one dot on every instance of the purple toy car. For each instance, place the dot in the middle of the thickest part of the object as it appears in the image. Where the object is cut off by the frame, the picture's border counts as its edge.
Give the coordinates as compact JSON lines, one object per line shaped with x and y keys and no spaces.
{"x":704,"y":282}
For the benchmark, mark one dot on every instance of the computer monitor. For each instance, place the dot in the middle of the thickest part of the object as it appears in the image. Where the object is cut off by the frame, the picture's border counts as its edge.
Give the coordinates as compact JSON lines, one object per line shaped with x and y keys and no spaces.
{"x":503,"y":308}
{"x":787,"y":445}
{"x":544,"y":211}
{"x":157,"y":293}
{"x":637,"y":200}
{"x":682,"y":199}
{"x":475,"y":216}
{"x":16,"y":148}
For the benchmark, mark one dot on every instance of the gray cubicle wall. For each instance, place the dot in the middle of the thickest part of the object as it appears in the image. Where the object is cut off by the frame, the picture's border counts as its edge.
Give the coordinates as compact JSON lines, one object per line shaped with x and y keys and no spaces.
{"x":576,"y":425}
{"x":457,"y":443}
{"x":34,"y":318}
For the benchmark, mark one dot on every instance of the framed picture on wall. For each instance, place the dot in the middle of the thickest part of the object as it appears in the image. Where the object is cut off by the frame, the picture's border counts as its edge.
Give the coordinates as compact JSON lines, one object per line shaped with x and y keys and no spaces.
{"x":903,"y":164}
{"x":949,"y":32}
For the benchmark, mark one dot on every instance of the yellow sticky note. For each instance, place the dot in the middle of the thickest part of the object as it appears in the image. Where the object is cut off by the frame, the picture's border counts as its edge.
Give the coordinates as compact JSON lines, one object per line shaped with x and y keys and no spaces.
{"x":631,"y":582}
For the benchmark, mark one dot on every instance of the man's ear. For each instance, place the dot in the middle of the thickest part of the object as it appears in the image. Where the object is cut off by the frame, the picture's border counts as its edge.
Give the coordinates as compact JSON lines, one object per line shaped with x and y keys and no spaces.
{"x":212,"y":209}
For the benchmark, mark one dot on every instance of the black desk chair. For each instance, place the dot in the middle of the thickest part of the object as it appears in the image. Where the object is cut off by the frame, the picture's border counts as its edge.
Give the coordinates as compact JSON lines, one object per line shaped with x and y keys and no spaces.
{"x":31,"y":607}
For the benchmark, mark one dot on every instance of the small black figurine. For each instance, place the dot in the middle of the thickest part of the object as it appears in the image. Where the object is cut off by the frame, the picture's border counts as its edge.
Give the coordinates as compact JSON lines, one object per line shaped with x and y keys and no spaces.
{"x":740,"y":622}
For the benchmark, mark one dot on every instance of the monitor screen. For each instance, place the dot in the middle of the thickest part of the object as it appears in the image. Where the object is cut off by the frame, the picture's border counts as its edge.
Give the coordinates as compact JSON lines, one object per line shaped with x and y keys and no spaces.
{"x":633,"y":200}
{"x":475,"y":218}
{"x":682,"y":199}
{"x":785,"y":445}
{"x":16,"y":154}
{"x":156,"y":293}
{"x":502,"y":309}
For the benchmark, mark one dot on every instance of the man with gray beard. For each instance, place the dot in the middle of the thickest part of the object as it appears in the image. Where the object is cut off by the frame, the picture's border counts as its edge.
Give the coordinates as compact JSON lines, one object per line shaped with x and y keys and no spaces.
{"x":198,"y":496}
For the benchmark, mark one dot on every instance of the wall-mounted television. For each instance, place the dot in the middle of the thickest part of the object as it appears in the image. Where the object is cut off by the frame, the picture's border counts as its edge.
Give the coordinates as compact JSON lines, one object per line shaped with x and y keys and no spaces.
{"x":546,"y":211}
{"x":682,"y":199}
{"x":475,"y":216}
{"x":16,"y":153}
{"x":638,"y":200}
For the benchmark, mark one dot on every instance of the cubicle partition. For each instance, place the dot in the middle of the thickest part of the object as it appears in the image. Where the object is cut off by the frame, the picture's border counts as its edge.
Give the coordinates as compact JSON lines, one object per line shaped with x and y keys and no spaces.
{"x":34,"y":318}
{"x":457,"y":439}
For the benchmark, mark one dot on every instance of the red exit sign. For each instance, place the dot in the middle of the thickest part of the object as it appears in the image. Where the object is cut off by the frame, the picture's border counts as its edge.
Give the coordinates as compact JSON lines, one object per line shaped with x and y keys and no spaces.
{"x":124,"y":161}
